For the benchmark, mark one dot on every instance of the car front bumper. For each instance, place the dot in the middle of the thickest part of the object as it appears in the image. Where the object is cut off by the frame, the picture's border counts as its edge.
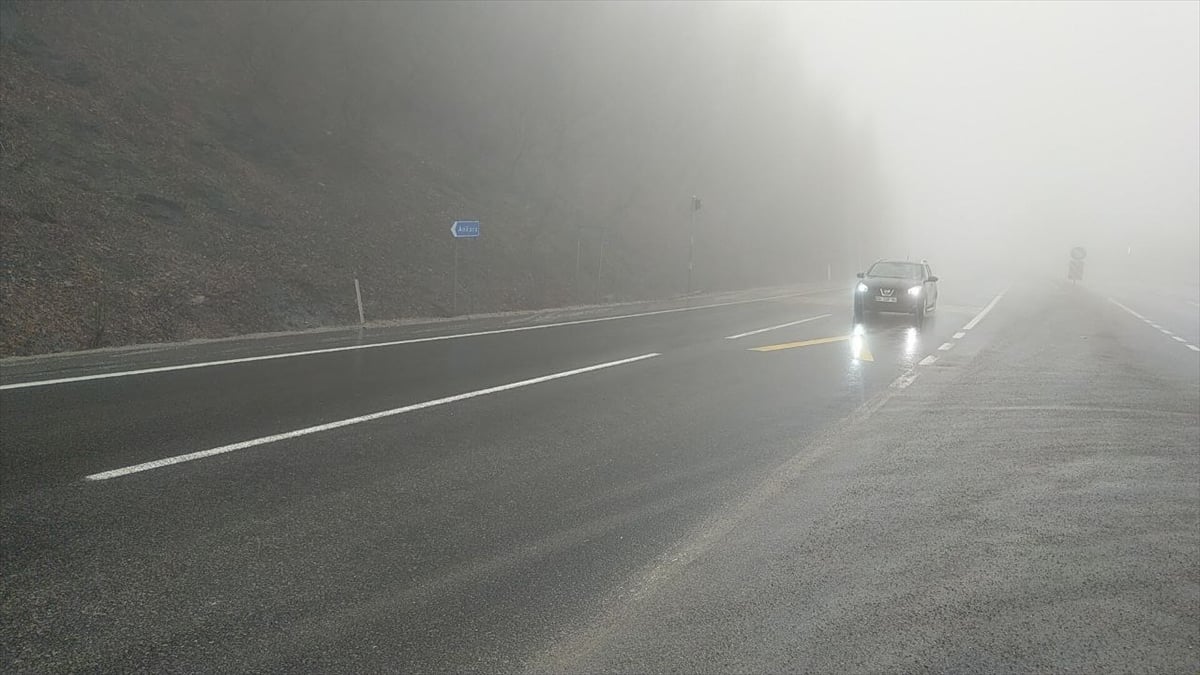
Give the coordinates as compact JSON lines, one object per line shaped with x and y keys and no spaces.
{"x":904,"y":302}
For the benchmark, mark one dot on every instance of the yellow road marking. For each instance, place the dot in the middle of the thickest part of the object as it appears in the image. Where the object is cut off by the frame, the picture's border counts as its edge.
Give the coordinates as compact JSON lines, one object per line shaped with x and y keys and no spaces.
{"x":860,"y":348}
{"x":804,"y":343}
{"x":864,"y":354}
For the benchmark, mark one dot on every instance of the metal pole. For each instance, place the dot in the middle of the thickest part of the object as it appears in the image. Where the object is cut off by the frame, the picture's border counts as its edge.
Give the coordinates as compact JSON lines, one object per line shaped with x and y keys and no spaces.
{"x":600,"y":266}
{"x":455,"y":277}
{"x":691,"y":245}
{"x":358,"y":297}
{"x":578,"y":252}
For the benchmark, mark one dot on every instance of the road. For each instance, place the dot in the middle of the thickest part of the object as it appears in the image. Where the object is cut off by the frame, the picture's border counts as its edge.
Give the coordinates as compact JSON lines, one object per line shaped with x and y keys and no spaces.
{"x":730,"y":484}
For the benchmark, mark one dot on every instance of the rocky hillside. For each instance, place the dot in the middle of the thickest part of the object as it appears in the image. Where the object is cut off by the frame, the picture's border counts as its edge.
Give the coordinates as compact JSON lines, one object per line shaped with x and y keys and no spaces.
{"x":180,"y":170}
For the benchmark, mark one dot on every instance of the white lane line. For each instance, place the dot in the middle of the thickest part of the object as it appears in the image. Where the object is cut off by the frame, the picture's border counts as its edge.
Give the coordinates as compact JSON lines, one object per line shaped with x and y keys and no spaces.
{"x":1113,"y":301}
{"x":168,"y":461}
{"x":946,"y":346}
{"x":959,"y":335}
{"x":984,"y":312}
{"x":393,"y":343}
{"x":1164,"y":331}
{"x":903,"y":381}
{"x":927,"y":360}
{"x":782,"y":325}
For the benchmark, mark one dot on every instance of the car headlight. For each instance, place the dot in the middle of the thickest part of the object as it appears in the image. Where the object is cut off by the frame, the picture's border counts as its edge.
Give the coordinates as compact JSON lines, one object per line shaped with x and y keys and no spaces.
{"x":914,"y":291}
{"x":862,"y":288}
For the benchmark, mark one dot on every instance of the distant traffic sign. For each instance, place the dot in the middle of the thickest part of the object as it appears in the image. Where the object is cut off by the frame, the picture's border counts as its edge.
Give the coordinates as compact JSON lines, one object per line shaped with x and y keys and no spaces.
{"x":1075,"y":270}
{"x":465,"y":229}
{"x":1078,"y":253}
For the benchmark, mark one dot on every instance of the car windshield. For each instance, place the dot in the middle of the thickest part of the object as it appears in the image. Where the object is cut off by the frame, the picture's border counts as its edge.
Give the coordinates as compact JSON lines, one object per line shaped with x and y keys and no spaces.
{"x":897,"y":270}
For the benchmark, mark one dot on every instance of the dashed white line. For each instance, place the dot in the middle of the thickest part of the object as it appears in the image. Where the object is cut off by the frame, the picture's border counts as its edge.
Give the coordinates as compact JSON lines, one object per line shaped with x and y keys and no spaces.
{"x":984,"y":312}
{"x":1113,"y":301}
{"x":168,"y":461}
{"x":947,"y":346}
{"x":392,"y":343}
{"x":904,"y":380}
{"x":782,"y":325}
{"x":1160,"y":329}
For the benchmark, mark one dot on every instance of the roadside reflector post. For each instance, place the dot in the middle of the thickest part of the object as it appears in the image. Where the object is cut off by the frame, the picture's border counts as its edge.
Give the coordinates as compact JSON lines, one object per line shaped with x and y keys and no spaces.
{"x":358,"y":298}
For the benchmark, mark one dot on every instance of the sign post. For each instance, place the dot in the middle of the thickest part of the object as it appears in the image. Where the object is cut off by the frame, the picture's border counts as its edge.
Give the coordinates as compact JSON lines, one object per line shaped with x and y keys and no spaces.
{"x":461,"y":229}
{"x":1075,"y":268}
{"x":692,"y":242}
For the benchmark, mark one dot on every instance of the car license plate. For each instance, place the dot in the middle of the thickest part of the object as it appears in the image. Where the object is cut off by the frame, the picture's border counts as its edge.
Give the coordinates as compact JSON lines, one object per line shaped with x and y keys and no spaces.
{"x":880,"y":298}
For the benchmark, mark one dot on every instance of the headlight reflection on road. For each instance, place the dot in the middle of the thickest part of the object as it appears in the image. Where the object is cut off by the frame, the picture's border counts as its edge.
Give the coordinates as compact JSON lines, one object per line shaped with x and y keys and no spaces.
{"x":854,"y":373}
{"x":910,"y":342}
{"x":857,"y":343}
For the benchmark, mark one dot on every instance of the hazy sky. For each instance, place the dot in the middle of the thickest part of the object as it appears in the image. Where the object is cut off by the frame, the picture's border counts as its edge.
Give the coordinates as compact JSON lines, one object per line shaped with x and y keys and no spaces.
{"x":1029,"y":126}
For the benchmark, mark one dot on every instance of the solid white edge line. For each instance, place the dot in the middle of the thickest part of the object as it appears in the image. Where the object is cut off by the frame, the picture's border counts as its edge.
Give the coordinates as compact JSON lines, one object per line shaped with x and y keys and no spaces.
{"x":177,"y":459}
{"x":927,"y":360}
{"x":392,"y":343}
{"x":959,"y":335}
{"x":984,"y":312}
{"x":946,"y":346}
{"x":782,"y":325}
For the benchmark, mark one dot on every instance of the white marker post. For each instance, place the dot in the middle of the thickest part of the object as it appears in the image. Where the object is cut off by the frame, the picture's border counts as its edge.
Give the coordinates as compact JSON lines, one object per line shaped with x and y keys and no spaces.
{"x":358,"y":297}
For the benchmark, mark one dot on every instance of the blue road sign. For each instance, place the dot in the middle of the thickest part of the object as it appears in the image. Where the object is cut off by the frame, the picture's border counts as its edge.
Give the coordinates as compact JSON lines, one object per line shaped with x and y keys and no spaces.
{"x":465,"y":228}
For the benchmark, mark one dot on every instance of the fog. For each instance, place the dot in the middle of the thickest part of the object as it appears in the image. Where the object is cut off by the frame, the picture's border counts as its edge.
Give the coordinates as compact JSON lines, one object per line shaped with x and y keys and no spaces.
{"x":272,"y":152}
{"x":1021,"y":129}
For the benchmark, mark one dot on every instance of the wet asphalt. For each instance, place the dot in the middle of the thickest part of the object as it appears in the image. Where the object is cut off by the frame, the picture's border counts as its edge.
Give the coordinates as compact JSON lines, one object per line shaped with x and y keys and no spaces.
{"x":1024,"y":497}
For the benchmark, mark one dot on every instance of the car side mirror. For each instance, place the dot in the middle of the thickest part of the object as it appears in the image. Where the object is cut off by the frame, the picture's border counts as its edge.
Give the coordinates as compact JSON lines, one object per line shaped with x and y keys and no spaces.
{"x":933,"y":279}
{"x":861,"y":275}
